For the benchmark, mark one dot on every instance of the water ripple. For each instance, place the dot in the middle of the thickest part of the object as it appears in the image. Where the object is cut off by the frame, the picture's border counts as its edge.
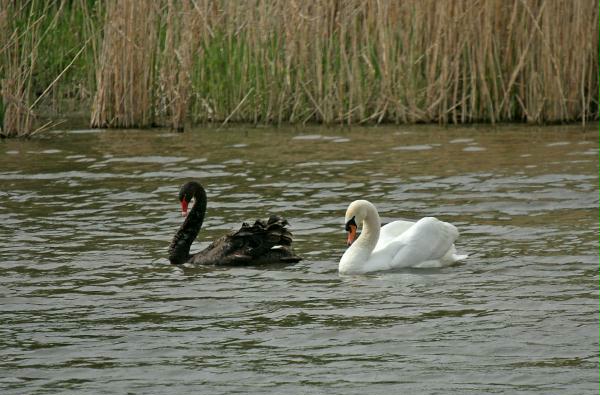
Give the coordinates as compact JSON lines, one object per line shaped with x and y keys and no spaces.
{"x":89,"y":303}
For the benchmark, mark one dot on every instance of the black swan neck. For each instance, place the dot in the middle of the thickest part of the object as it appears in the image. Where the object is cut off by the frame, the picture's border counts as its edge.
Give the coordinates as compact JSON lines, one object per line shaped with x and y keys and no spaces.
{"x":179,"y":250}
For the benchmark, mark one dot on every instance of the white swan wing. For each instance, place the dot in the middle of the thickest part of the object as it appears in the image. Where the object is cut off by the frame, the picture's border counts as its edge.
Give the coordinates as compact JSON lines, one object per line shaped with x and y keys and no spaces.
{"x":429,"y":239}
{"x":390,"y":232}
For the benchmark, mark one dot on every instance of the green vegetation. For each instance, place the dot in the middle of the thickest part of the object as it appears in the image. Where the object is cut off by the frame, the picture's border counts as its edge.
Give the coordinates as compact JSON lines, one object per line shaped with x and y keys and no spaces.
{"x":134,"y":63}
{"x":47,"y":57}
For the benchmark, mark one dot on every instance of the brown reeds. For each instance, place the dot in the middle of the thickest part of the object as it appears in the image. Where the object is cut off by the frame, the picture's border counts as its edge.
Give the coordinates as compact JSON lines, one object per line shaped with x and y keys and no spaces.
{"x":362,"y":61}
{"x":19,"y":59}
{"x":125,"y":68}
{"x":175,"y":63}
{"x":41,"y":43}
{"x":331,"y":61}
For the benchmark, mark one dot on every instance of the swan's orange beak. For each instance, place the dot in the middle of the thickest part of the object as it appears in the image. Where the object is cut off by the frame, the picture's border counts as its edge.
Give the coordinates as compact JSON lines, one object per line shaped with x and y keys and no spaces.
{"x":184,"y":207}
{"x":351,"y":235}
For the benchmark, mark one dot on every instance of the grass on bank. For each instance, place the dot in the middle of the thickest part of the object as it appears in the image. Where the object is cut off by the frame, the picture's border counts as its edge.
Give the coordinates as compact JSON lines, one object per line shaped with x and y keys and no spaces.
{"x":46,"y":59}
{"x":133,"y":63}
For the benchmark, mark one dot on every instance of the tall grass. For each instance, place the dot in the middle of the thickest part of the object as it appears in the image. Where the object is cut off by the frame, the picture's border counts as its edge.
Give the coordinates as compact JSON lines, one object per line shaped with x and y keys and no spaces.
{"x":46,"y":48}
{"x":166,"y":62}
{"x":175,"y":62}
{"x":19,"y":57}
{"x":362,"y":61}
{"x":126,"y":65}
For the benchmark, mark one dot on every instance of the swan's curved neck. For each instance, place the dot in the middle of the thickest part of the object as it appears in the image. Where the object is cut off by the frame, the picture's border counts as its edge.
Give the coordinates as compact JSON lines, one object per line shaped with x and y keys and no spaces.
{"x":371,"y":227}
{"x":360,"y":251}
{"x":179,"y":250}
{"x":196,"y":215}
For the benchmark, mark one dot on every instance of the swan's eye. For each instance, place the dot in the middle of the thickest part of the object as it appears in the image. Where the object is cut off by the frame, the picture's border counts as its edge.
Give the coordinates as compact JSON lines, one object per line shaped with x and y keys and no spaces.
{"x":350,"y":224}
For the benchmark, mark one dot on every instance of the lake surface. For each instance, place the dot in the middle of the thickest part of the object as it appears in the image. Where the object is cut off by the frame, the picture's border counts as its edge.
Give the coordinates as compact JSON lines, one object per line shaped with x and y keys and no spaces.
{"x":90,"y":305}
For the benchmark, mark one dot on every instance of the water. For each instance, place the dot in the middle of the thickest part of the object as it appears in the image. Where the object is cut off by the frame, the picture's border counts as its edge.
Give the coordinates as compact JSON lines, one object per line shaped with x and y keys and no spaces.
{"x":89,"y":303}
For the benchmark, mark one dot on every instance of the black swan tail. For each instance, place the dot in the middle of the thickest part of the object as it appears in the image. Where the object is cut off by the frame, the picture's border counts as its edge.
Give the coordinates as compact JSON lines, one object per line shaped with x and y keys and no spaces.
{"x":263,"y":242}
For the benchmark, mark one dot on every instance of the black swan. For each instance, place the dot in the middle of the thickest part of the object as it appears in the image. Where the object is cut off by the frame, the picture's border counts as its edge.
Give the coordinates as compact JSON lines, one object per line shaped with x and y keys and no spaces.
{"x":262,"y":243}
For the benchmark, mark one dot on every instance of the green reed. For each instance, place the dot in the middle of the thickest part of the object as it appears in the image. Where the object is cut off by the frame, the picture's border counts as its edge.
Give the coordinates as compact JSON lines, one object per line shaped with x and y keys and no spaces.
{"x":131,"y":63}
{"x":46,"y":60}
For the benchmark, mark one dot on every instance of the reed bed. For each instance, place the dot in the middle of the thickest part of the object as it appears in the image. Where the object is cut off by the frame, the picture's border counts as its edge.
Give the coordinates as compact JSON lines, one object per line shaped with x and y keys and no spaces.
{"x":126,"y":66}
{"x":176,"y":63}
{"x":46,"y":57}
{"x":169,"y":62}
{"x":360,"y":61}
{"x":19,"y":58}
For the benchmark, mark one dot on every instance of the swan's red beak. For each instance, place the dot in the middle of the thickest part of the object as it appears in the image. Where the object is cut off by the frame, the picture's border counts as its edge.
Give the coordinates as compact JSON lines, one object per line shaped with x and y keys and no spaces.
{"x":184,"y":207}
{"x":351,"y":235}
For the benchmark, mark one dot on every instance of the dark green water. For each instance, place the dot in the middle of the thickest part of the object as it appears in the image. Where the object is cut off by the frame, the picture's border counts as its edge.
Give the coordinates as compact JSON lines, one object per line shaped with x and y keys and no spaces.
{"x":90,"y":305}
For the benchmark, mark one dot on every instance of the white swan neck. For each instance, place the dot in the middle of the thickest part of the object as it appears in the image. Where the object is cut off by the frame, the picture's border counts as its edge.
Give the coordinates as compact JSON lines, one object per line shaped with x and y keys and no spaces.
{"x":358,"y":254}
{"x":371,"y":227}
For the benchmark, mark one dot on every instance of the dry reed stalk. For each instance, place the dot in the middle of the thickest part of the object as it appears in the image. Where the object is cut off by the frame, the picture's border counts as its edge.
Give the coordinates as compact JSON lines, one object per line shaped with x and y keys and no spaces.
{"x":176,"y":62}
{"x":31,"y":66}
{"x":125,"y":68}
{"x":356,"y":61}
{"x":18,"y":62}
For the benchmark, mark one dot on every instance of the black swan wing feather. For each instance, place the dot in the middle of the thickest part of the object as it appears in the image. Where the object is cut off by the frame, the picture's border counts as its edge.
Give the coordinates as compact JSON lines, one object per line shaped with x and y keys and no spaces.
{"x":261,"y":243}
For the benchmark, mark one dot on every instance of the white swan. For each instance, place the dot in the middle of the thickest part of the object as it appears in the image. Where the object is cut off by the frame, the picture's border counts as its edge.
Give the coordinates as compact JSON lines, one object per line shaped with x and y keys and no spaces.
{"x":428,"y":242}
